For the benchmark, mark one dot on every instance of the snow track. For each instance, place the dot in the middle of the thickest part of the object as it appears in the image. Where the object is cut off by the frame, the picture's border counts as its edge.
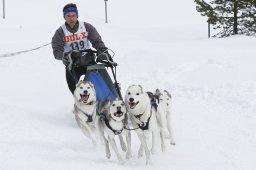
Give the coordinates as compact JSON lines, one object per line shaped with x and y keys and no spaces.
{"x":212,"y":82}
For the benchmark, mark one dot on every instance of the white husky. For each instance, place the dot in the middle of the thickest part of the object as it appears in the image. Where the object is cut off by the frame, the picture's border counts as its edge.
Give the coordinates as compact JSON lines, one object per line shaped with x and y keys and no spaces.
{"x":85,"y":108}
{"x":112,"y":121}
{"x":164,"y":103}
{"x":143,"y":118}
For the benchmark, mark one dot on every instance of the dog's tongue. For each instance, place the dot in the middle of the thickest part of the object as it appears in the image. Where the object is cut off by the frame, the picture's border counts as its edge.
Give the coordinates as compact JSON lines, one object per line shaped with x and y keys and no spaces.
{"x":132,"y":104}
{"x":84,"y":97}
{"x":118,"y":114}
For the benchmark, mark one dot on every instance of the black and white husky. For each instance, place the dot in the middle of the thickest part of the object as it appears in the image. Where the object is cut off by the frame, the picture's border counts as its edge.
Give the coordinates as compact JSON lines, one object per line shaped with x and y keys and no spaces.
{"x":164,"y":102}
{"x":111,"y":122}
{"x":85,"y":108}
{"x":143,"y":117}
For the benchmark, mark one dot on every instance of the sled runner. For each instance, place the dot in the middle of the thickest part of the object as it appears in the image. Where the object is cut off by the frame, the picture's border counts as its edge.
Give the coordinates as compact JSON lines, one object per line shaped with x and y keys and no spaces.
{"x":97,"y":74}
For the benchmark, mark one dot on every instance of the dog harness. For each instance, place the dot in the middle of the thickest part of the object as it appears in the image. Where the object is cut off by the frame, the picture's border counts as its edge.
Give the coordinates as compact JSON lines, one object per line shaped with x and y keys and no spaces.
{"x":103,"y":117}
{"x":153,"y":99}
{"x":89,"y":117}
{"x":144,"y":125}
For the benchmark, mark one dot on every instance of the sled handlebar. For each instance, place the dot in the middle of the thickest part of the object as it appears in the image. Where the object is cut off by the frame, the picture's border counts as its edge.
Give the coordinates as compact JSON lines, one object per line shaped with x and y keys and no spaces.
{"x":88,"y":50}
{"x":108,"y":62}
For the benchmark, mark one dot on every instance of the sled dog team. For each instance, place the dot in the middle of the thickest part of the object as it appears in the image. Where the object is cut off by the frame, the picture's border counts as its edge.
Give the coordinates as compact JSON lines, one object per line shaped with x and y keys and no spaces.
{"x":145,"y":113}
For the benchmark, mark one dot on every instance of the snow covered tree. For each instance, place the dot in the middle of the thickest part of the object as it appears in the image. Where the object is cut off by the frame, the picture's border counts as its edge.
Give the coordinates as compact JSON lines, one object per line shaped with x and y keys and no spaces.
{"x":230,"y":16}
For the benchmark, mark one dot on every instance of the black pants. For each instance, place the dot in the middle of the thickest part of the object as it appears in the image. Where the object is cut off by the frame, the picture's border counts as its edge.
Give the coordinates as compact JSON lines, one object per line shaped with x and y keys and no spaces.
{"x":73,"y":77}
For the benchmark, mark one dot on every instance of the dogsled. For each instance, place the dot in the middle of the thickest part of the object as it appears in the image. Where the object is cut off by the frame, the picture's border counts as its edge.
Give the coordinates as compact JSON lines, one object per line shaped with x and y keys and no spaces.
{"x":97,"y":74}
{"x":96,"y":109}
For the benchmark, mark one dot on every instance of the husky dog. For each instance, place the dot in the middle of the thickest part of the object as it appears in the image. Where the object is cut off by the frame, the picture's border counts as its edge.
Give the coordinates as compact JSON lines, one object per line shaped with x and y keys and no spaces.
{"x":85,"y":108}
{"x":112,"y":121}
{"x":143,"y":118}
{"x":164,"y":102}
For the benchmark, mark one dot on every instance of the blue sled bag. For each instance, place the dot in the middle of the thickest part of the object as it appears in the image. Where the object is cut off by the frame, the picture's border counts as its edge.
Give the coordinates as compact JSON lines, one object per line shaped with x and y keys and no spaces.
{"x":99,"y":77}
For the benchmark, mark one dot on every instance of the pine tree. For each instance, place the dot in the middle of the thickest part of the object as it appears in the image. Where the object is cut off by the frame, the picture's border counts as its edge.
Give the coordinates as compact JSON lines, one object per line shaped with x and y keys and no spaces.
{"x":230,"y":16}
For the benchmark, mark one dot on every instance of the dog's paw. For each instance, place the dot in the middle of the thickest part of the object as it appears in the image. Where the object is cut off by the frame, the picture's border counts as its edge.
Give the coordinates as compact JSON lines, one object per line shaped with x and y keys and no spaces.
{"x":167,"y":136}
{"x":140,"y":153}
{"x":173,"y":142}
{"x":128,"y":155}
{"x":163,"y":148}
{"x":153,"y":151}
{"x":121,"y":160}
{"x":148,"y":161}
{"x":123,"y":146}
{"x":108,"y":155}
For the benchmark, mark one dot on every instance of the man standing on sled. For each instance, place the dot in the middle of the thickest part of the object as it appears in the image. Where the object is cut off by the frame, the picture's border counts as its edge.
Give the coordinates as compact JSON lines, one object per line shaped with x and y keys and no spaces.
{"x":72,"y":37}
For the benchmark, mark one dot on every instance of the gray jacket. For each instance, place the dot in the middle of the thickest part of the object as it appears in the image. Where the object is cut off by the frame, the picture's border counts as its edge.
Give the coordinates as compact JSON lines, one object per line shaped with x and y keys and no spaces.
{"x":58,"y":39}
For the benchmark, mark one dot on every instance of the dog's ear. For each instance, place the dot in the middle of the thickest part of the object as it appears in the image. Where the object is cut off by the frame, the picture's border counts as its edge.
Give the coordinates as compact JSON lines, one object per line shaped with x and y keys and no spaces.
{"x":117,"y":98}
{"x":127,"y":90}
{"x":168,"y":94}
{"x":141,"y":89}
{"x":82,"y":77}
{"x":157,"y":92}
{"x":130,"y":86}
{"x":78,"y":84}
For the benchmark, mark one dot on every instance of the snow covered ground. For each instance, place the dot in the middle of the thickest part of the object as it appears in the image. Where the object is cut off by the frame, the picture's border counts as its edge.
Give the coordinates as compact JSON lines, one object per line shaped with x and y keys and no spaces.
{"x":212,"y":82}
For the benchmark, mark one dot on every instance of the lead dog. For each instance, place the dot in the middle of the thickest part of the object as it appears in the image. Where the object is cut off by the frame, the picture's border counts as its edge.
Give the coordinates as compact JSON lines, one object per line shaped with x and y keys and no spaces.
{"x":143,"y":118}
{"x":112,"y":121}
{"x":164,"y":102}
{"x":85,"y":108}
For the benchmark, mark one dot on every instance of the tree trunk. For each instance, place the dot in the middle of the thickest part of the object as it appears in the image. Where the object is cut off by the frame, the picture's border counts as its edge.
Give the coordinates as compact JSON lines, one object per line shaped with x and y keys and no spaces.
{"x":235,"y":17}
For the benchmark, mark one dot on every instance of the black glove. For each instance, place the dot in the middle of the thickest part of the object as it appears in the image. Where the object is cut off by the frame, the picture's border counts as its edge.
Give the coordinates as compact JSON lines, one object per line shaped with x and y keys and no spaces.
{"x":75,"y":56}
{"x":65,"y":58}
{"x":87,"y":59}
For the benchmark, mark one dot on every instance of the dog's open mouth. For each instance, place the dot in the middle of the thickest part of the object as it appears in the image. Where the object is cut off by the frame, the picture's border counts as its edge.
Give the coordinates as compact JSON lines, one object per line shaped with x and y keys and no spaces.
{"x":118,"y":114}
{"x":133,"y":104}
{"x":84,"y":98}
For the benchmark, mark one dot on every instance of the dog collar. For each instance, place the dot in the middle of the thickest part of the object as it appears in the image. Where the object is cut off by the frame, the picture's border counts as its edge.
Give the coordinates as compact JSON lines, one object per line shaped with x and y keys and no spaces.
{"x":89,"y":117}
{"x":90,"y":103}
{"x":116,"y":132}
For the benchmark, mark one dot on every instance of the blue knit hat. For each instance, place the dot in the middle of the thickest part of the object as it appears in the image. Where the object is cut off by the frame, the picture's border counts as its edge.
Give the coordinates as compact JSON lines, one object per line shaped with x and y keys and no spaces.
{"x":70,"y":8}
